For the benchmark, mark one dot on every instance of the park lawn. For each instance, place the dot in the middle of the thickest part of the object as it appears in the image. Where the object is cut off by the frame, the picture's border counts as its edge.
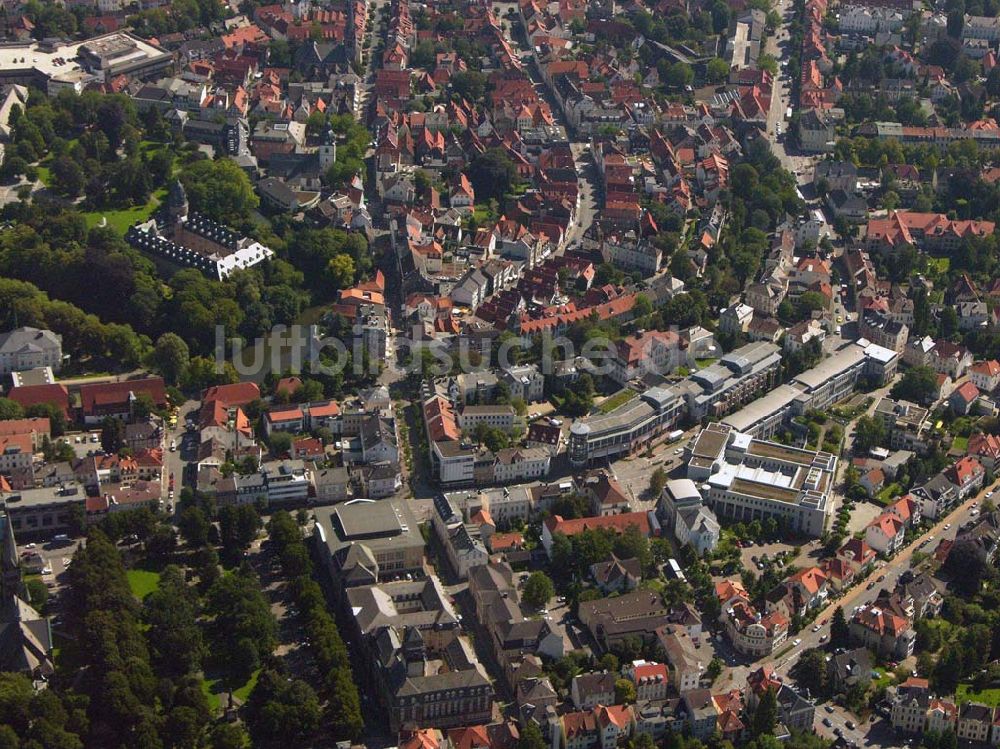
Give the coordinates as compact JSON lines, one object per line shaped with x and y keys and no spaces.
{"x":215,"y":689}
{"x":960,"y":445}
{"x":121,"y":220}
{"x":702,"y":363}
{"x":989,"y":697}
{"x":142,"y":582}
{"x":45,"y":175}
{"x":613,"y":401}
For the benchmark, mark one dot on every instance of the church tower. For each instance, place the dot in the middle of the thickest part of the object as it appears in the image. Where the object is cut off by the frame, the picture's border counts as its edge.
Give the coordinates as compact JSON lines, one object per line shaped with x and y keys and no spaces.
{"x":328,"y":149}
{"x":177,"y":202}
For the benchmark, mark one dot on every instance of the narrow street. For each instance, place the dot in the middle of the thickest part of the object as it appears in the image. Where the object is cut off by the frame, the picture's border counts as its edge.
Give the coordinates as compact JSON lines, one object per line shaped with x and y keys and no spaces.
{"x":587,"y":176}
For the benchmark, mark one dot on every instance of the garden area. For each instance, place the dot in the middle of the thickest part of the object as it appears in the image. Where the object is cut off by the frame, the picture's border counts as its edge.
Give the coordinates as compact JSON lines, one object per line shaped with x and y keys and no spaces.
{"x":620,"y":398}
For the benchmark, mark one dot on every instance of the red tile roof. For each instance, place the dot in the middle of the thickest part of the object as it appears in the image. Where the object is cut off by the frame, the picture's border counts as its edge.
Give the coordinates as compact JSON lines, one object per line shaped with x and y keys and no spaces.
{"x":33,"y":395}
{"x":618,"y":523}
{"x":117,"y":393}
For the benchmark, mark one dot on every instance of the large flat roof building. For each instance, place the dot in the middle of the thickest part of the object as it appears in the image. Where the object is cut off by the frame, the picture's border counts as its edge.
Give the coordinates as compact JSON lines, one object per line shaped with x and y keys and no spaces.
{"x":625,"y":429}
{"x":832,"y":379}
{"x":366,"y":541}
{"x":747,"y":479}
{"x":737,"y":378}
{"x":56,"y":65}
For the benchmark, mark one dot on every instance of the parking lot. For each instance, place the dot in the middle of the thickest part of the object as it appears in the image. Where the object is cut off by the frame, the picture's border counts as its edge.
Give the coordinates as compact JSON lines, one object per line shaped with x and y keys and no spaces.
{"x":84,"y":443}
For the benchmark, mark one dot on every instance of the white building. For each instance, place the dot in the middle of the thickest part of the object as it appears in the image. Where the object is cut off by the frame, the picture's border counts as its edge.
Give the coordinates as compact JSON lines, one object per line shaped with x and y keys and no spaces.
{"x":746,"y":479}
{"x":29,"y":348}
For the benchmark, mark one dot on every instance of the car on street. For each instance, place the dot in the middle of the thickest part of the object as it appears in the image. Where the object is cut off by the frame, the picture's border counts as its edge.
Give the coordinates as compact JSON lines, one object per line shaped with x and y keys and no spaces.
{"x":947,"y":526}
{"x":816,"y":628}
{"x":850,"y":724}
{"x":828,"y":708}
{"x":827,"y":723}
{"x":796,"y":642}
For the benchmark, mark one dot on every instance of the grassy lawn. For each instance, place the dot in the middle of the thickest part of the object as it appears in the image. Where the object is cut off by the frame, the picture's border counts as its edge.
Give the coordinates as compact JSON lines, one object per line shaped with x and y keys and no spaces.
{"x":121,"y":220}
{"x":885,"y":678}
{"x":45,"y":175}
{"x":941,"y":264}
{"x":965,"y":694}
{"x":613,"y":401}
{"x":215,"y":689}
{"x":702,"y":363}
{"x":142,"y":582}
{"x":960,"y":444}
{"x":889,"y":493}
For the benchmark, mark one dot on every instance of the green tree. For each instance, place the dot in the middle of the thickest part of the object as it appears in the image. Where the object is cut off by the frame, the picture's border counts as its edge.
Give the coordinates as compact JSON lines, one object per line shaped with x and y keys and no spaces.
{"x":280,"y":443}
{"x":238,"y":526}
{"x":809,"y":302}
{"x":868,"y":433}
{"x":840,"y":634}
{"x":340,"y":270}
{"x":220,"y":190}
{"x":279,"y":709}
{"x":715,"y":667}
{"x":67,"y":177}
{"x":717,"y":70}
{"x":810,"y":672}
{"x":968,"y":565}
{"x":171,"y":357}
{"x":492,"y":174}
{"x":194,"y":527}
{"x":228,"y":736}
{"x":657,"y":481}
{"x":624,"y":692}
{"x":10,"y":409}
{"x":112,"y":434}
{"x":531,"y":736}
{"x":538,"y":589}
{"x":344,"y":707}
{"x":918,"y":384}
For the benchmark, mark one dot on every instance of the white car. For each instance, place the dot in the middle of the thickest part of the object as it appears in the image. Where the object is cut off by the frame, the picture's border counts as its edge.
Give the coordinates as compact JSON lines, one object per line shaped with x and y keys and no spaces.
{"x":947,"y":527}
{"x":46,"y":570}
{"x":173,"y":445}
{"x":797,"y":641}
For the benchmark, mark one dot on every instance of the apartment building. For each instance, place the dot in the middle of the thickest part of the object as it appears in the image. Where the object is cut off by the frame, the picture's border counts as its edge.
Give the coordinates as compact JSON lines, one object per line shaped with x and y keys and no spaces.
{"x":906,"y":424}
{"x":656,"y":351}
{"x":882,"y":330}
